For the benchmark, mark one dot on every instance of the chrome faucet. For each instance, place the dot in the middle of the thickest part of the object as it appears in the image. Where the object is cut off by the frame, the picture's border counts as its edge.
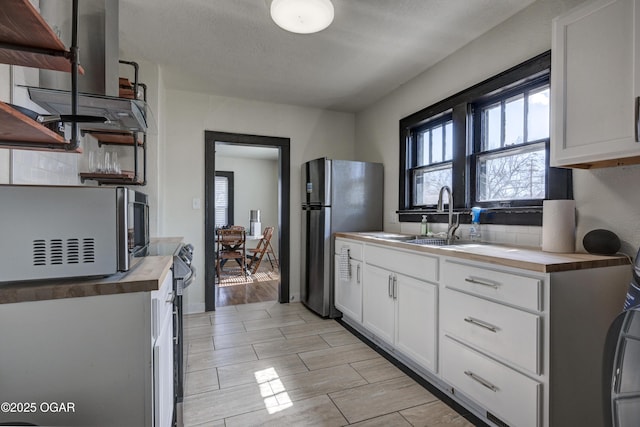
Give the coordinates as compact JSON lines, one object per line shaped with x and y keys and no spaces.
{"x":451,"y":229}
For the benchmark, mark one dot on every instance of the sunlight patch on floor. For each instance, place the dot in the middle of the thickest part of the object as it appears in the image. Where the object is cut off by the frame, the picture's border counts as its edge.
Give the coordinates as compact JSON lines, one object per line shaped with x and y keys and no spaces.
{"x":272,"y":390}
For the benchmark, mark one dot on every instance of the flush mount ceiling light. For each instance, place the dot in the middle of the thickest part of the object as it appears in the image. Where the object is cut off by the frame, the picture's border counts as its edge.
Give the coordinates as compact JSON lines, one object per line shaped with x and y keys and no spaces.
{"x":302,"y":16}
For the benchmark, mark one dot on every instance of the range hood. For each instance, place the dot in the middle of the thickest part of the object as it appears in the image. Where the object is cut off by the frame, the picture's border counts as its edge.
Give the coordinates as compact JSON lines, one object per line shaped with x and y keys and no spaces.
{"x":98,"y":55}
{"x":121,"y":114}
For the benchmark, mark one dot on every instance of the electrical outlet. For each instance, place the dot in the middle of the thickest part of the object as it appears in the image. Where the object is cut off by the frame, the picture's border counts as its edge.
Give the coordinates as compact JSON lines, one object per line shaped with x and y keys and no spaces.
{"x":393,"y":217}
{"x":196,"y":203}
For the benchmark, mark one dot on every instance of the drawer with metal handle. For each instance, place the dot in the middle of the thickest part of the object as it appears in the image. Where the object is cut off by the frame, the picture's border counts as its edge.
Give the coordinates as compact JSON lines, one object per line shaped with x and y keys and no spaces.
{"x":507,"y":333}
{"x":413,"y":264}
{"x":510,"y":398}
{"x":510,"y":288}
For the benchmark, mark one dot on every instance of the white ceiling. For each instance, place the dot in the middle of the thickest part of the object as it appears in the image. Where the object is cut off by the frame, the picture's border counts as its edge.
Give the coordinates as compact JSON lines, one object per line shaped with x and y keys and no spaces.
{"x":232,"y":48}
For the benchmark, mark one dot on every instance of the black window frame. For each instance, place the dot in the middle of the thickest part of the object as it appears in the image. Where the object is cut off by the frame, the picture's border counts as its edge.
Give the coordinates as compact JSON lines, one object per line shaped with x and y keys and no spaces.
{"x":476,"y":140}
{"x":461,"y":106}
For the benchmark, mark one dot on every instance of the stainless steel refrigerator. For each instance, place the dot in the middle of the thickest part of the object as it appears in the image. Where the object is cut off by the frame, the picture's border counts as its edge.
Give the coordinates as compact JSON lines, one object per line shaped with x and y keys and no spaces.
{"x":338,"y":195}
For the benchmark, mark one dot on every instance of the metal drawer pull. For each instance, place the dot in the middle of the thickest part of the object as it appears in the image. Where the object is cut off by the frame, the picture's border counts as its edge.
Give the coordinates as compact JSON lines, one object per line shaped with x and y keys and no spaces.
{"x":482,"y":324}
{"x":480,"y":282}
{"x":358,"y":274}
{"x":395,"y":287}
{"x":481,"y":380}
{"x":389,"y":287}
{"x":637,"y":126}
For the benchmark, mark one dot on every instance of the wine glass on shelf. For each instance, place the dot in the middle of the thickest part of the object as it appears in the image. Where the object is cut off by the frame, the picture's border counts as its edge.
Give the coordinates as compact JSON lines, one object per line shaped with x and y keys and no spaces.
{"x":107,"y":162}
{"x":115,"y":164}
{"x":93,"y":161}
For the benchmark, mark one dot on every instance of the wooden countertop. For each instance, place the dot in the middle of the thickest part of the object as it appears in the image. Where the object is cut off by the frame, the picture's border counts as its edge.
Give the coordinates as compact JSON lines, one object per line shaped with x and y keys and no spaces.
{"x":145,"y":276}
{"x":511,"y":256}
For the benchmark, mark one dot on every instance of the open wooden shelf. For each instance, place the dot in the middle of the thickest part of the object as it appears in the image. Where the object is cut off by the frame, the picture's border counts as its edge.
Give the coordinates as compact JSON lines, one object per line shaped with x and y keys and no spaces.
{"x":27,"y":40}
{"x":115,"y":138}
{"x":125,"y":177}
{"x":18,"y":128}
{"x":25,"y":29}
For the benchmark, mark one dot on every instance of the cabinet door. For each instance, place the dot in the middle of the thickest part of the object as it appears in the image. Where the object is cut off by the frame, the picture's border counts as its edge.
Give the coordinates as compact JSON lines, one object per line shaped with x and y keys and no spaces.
{"x":378,"y":305}
{"x":595,"y":75}
{"x":348,"y":293}
{"x":163,"y":375}
{"x":162,"y":308}
{"x":416,"y":320}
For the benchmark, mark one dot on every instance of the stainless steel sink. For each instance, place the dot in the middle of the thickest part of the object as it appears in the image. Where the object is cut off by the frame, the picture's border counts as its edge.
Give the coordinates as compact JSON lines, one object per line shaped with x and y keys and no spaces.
{"x":432,"y":241}
{"x":392,"y":236}
{"x":438,"y":241}
{"x":417,"y":239}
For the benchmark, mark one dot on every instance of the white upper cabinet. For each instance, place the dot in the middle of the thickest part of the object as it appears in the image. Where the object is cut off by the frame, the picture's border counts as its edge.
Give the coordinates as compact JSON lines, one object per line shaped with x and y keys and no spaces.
{"x":595,"y":84}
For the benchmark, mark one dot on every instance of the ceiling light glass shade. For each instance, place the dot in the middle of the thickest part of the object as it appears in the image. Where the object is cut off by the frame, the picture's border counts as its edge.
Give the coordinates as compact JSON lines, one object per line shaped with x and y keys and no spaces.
{"x":302,"y":16}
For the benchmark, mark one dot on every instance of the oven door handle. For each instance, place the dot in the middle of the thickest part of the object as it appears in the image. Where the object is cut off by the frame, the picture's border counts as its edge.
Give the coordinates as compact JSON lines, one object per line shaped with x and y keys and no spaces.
{"x":171,"y":298}
{"x":189,"y":279}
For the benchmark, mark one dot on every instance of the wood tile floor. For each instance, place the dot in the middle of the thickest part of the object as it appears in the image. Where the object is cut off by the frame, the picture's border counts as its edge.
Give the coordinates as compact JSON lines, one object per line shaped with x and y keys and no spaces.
{"x":281,"y":365}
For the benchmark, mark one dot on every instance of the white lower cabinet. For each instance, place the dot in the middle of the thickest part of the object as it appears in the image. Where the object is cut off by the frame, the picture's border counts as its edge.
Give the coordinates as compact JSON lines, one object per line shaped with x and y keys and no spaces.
{"x":108,"y":357}
{"x":417,"y":320}
{"x":379,"y":306}
{"x":401,"y":310}
{"x":163,"y":355}
{"x":515,"y":346}
{"x":507,"y":395}
{"x":348,"y":290}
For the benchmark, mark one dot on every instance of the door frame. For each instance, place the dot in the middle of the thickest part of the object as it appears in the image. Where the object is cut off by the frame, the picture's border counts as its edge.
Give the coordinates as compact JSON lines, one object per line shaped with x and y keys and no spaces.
{"x":284,"y":206}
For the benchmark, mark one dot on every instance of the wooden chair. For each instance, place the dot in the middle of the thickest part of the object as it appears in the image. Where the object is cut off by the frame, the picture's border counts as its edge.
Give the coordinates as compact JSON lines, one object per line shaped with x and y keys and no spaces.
{"x":264,"y":247}
{"x":231,"y":245}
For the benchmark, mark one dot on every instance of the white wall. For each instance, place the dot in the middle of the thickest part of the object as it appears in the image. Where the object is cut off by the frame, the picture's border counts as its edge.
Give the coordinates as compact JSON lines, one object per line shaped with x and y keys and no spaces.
{"x":255,"y":186}
{"x":602,"y":198}
{"x":313,"y":133}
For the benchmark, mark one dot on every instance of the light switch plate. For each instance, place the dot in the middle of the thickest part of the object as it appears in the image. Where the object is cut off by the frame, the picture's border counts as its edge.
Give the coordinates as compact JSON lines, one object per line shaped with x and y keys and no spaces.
{"x":196,"y":203}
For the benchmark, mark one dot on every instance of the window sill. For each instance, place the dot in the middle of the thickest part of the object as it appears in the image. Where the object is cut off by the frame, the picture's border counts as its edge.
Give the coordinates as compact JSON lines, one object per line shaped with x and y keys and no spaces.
{"x":500,"y":216}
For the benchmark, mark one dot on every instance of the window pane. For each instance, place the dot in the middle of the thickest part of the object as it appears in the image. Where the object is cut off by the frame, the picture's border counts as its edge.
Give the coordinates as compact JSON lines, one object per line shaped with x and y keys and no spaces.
{"x":427,"y":184}
{"x":512,"y":175}
{"x":221,"y":201}
{"x":436,"y":144}
{"x":448,"y":141}
{"x":491,"y":125}
{"x":514,"y":121}
{"x":538,"y":115}
{"x":422,"y":155}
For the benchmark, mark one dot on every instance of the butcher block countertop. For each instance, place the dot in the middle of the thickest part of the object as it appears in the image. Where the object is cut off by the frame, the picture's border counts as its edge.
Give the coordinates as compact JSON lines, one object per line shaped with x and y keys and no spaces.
{"x":511,"y":256}
{"x":145,"y":276}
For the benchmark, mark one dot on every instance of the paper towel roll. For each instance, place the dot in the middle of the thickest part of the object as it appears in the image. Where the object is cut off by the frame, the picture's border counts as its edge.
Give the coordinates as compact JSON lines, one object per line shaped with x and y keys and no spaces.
{"x":559,"y":226}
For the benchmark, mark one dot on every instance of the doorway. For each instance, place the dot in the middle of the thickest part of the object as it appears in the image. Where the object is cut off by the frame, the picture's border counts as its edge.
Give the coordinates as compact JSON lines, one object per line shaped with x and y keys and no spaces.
{"x":283,"y":202}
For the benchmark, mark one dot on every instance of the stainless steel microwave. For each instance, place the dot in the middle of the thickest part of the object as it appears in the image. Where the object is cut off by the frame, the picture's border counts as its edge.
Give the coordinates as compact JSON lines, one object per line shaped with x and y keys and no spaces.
{"x":51,"y":232}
